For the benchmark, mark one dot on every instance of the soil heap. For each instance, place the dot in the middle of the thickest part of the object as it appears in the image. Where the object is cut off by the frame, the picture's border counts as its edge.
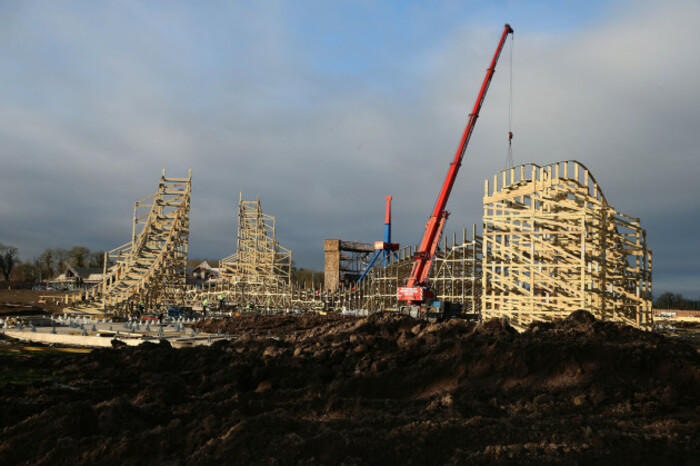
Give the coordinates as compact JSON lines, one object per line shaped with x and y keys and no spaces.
{"x":382,"y":389}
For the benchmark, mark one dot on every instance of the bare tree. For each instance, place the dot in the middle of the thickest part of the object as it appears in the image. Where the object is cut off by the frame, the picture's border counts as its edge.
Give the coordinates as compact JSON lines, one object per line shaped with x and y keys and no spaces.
{"x":97,"y":259}
{"x":24,"y":270}
{"x":62,"y":259}
{"x":79,"y":256}
{"x":46,"y":263}
{"x":8,"y":259}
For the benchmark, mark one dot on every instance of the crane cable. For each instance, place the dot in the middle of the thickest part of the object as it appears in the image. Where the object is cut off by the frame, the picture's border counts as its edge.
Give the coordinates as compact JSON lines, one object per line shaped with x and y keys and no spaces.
{"x":509,"y":159}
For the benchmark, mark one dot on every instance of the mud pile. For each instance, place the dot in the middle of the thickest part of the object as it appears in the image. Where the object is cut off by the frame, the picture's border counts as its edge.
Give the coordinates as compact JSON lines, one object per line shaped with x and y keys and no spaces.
{"x":282,"y":325}
{"x":383,"y":389}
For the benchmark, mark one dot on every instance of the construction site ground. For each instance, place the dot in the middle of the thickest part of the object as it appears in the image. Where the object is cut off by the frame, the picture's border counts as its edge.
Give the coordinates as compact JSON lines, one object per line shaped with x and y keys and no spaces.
{"x":380,"y":389}
{"x":26,"y":302}
{"x":91,"y":332}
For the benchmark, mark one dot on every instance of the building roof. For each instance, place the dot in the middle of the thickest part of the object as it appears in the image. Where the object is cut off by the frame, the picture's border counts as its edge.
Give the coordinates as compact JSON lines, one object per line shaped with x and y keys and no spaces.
{"x":84,"y":272}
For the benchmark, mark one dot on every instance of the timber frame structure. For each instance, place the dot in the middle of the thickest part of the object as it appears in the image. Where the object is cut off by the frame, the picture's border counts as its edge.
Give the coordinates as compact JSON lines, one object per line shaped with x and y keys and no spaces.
{"x":152,"y":266}
{"x":455,"y":276}
{"x":259,"y":273}
{"x":553,"y":244}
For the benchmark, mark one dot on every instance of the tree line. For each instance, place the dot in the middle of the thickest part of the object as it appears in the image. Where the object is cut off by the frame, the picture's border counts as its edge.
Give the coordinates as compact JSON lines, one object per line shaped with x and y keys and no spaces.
{"x":307,"y":277}
{"x":676,"y":301}
{"x":48,"y":264}
{"x":54,"y":261}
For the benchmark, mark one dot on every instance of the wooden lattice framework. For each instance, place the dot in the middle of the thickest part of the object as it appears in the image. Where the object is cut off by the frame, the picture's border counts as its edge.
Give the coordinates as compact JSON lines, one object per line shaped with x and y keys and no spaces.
{"x":152,"y":266}
{"x":259,"y":272}
{"x":455,"y":276}
{"x":552,"y":244}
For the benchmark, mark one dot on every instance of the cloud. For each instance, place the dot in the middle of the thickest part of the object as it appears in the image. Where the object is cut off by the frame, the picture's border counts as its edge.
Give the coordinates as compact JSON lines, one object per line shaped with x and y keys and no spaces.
{"x":322,"y":122}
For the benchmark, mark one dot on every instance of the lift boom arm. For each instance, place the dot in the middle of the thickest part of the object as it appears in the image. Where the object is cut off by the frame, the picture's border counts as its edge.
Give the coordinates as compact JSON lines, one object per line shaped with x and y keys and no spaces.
{"x":433,"y":229}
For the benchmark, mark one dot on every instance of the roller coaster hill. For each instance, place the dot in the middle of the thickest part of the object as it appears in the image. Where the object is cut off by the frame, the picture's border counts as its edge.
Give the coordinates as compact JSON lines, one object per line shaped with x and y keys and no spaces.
{"x":551,"y":243}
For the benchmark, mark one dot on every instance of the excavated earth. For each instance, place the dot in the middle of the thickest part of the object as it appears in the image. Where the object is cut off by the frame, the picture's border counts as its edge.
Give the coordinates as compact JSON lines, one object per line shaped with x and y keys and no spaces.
{"x":379,"y":390}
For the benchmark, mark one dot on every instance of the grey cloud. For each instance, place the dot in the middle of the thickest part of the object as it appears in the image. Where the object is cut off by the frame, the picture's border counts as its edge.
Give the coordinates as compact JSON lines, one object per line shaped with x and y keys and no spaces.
{"x":134,"y":90}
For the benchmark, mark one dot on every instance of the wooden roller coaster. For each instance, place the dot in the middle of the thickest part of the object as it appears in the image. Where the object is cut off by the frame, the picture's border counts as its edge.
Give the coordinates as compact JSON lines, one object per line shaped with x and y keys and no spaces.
{"x":553,"y":244}
{"x":455,"y":275}
{"x":152,"y":266}
{"x":259,"y":272}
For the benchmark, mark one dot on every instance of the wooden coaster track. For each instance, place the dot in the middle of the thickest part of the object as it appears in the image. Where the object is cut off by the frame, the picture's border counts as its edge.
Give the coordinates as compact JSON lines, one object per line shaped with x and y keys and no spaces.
{"x":553,"y":244}
{"x":259,"y":273}
{"x":152,"y":266}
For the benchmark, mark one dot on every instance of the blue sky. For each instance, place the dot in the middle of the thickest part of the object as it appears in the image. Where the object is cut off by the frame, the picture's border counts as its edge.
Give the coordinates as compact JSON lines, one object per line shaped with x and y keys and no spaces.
{"x":323,"y":108}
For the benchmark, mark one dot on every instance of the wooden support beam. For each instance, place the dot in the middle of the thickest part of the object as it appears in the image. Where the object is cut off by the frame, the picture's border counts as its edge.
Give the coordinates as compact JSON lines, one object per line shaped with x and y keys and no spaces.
{"x":571,"y":250}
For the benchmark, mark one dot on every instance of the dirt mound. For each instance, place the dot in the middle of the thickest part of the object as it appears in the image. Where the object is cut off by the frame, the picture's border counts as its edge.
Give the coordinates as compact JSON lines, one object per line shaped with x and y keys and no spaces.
{"x":270,"y":325}
{"x":387,"y":388}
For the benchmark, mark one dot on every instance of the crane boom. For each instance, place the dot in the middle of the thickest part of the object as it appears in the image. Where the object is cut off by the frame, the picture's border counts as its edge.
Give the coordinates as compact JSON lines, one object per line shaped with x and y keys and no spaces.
{"x":417,"y":280}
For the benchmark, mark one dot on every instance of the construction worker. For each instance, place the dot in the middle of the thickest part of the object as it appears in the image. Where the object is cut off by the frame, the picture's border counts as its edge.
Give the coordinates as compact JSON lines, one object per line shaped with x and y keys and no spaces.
{"x":142,"y":306}
{"x":205,"y":305}
{"x":222,"y":298}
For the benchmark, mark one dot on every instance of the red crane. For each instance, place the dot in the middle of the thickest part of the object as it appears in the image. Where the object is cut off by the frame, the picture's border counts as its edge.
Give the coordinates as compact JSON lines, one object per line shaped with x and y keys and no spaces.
{"x":416,"y":289}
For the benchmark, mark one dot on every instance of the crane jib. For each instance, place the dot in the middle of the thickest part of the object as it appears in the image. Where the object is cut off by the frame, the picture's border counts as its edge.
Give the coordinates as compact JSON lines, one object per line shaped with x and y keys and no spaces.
{"x":433,"y":228}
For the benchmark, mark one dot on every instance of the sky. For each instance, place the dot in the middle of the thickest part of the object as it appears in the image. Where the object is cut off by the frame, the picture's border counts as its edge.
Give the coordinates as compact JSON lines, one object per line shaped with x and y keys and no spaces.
{"x":324,"y":108}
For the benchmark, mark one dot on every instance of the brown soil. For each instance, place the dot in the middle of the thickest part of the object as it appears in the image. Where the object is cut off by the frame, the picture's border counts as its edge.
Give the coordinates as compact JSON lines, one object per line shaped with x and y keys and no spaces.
{"x":25,"y":302}
{"x":383,"y":389}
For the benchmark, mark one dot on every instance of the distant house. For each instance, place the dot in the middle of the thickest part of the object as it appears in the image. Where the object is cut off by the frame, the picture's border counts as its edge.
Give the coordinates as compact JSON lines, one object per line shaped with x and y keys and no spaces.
{"x":203,"y":275}
{"x":78,"y":277}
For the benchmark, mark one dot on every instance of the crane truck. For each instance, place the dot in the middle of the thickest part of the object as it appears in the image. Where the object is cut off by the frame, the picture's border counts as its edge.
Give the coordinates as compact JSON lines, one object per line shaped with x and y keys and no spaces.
{"x":417,"y":293}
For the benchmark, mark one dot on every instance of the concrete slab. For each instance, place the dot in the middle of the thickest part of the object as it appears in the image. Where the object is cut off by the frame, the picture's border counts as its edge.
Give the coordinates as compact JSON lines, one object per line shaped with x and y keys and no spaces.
{"x":85,"y":332}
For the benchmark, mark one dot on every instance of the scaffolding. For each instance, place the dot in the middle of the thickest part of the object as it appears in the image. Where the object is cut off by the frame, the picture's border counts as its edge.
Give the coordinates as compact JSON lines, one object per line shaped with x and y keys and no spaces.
{"x":552,"y":244}
{"x":152,"y":266}
{"x":259,"y":272}
{"x":344,"y":262}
